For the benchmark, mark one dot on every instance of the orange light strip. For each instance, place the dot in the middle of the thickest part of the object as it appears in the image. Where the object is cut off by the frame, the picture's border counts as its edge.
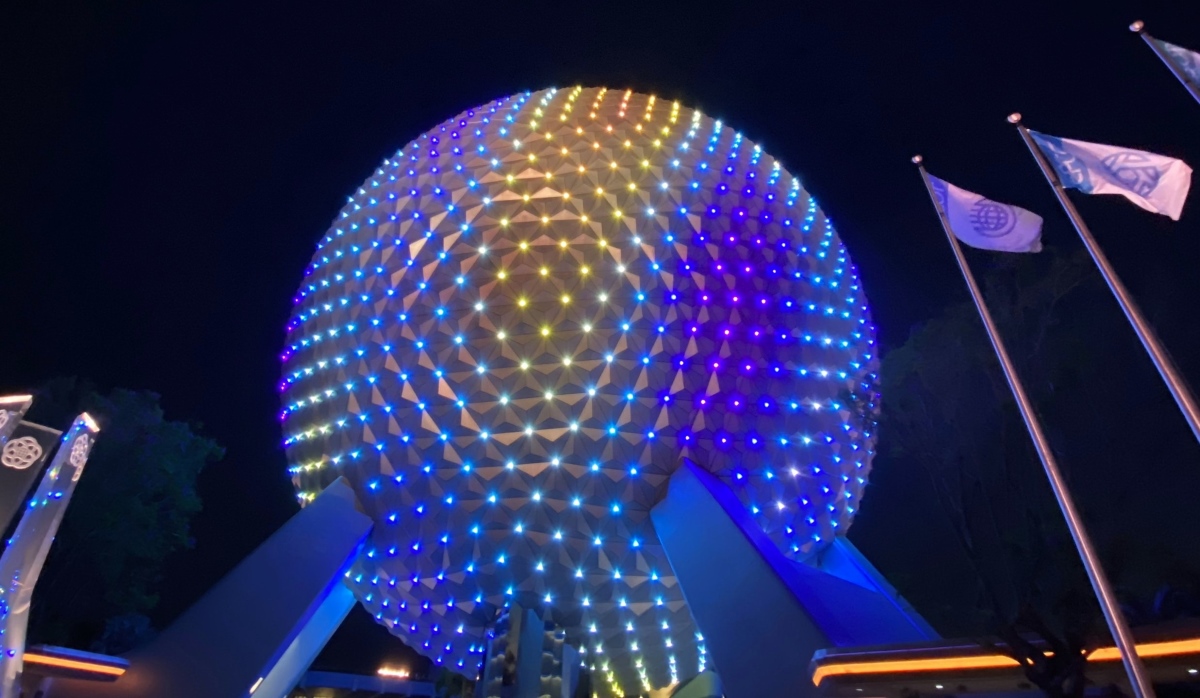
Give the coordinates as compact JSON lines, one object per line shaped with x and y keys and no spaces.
{"x":76,"y":664}
{"x":992,"y":661}
{"x":1150,"y":649}
{"x":885,"y":666}
{"x":91,"y":423}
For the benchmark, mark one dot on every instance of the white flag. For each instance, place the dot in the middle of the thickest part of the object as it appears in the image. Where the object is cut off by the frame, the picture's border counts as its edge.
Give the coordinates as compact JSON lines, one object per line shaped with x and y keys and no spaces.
{"x":1157,"y":183}
{"x":1187,"y":61}
{"x":987,"y":224}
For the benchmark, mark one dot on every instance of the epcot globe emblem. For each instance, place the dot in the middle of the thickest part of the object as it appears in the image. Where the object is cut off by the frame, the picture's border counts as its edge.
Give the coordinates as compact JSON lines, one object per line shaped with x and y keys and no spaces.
{"x":525,"y":320}
{"x":992,"y":219}
{"x":79,"y":450}
{"x":21,"y":453}
{"x":1134,"y":170}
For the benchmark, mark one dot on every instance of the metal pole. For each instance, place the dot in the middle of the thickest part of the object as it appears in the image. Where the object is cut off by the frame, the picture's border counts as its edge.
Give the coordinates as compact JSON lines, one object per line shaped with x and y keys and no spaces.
{"x":1139,"y":27}
{"x":1123,"y":638}
{"x":1158,"y":354}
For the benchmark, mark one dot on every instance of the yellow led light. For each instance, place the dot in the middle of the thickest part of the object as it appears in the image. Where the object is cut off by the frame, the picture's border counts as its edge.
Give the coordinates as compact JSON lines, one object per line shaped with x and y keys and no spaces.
{"x":579,"y":129}
{"x":632,"y":186}
{"x":599,"y":190}
{"x":532,"y":157}
{"x":524,"y":365}
{"x":566,"y":195}
{"x":501,"y":334}
{"x":544,"y":271}
{"x":584,"y":270}
{"x":522,"y":302}
{"x":584,"y":218}
{"x":563,"y":151}
{"x":612,"y":165}
{"x":502,"y":275}
{"x":657,"y":143}
{"x":566,"y":361}
{"x":595,"y":146}
{"x":545,"y":331}
{"x":509,"y":179}
{"x":523,"y":245}
{"x":525,"y":198}
{"x":545,"y":219}
{"x":503,"y":222}
{"x":563,"y":244}
{"x":645,"y":163}
{"x":628,"y":143}
{"x":617,"y":213}
{"x":566,"y":299}
{"x":602,"y":242}
{"x":638,"y":128}
{"x":549,"y":176}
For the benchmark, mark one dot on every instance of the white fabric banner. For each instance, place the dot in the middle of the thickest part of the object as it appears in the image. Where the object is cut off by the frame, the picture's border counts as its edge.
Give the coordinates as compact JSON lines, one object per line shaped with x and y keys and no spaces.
{"x":1157,"y":183}
{"x":1187,"y":61}
{"x":987,"y":224}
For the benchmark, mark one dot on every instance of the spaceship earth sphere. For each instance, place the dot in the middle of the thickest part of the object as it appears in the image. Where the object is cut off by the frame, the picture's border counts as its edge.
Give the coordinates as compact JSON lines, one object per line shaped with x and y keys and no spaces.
{"x":519,"y":326}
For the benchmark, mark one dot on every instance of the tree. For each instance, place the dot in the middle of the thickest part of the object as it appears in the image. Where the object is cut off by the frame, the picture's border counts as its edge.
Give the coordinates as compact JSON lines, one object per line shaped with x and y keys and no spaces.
{"x":131,"y":509}
{"x":451,"y":684}
{"x":948,"y":411}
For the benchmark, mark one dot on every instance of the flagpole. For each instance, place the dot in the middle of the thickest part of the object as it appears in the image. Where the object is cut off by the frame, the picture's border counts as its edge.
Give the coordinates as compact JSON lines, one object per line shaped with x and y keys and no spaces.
{"x":1138,"y":28}
{"x":1123,"y":638}
{"x":1162,"y":361}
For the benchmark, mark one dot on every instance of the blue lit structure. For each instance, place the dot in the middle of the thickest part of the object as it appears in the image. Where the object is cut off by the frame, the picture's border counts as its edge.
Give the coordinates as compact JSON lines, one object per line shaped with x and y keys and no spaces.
{"x":518,"y":327}
{"x":254,"y":633}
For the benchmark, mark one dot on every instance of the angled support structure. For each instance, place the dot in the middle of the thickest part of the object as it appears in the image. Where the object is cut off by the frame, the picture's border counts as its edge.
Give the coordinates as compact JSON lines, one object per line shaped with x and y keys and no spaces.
{"x":763,"y":615}
{"x":258,"y":629}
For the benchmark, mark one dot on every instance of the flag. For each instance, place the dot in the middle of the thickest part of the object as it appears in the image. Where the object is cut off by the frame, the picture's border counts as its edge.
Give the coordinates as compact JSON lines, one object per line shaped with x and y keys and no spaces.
{"x":987,"y":224}
{"x":1187,"y":61}
{"x":1156,"y":183}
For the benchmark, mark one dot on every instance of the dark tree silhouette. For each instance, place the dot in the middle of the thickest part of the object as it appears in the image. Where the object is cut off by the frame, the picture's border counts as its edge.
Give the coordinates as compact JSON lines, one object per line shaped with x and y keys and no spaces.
{"x":948,"y":410}
{"x":132,"y":508}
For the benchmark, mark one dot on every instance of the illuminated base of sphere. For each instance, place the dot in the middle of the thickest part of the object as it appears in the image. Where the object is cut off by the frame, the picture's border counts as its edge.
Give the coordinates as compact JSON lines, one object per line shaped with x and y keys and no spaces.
{"x":519,"y":325}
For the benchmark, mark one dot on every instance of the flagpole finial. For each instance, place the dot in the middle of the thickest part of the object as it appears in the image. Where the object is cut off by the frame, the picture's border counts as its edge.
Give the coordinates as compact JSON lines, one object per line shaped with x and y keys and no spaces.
{"x":917,"y":159}
{"x":1137,"y":27}
{"x":1014,"y":118}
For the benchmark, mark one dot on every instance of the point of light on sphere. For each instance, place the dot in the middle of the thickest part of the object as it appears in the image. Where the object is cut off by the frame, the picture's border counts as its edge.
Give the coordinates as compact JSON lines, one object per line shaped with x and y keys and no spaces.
{"x":523,"y":320}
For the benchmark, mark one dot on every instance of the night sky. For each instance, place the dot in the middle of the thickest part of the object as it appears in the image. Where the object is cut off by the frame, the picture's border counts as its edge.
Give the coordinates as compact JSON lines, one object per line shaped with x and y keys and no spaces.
{"x":168,"y":168}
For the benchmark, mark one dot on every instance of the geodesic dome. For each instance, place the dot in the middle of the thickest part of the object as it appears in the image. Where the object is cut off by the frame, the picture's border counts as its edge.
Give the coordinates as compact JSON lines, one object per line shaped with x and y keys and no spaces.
{"x":519,"y":325}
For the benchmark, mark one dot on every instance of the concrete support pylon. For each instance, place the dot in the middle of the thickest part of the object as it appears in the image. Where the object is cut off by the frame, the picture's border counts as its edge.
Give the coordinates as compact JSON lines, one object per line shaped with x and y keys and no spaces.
{"x":764,"y":615}
{"x":257,"y":630}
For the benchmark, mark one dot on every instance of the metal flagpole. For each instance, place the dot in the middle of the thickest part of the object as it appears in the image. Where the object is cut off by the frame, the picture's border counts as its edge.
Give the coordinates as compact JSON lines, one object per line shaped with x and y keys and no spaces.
{"x":1139,"y":27}
{"x":1140,"y":683}
{"x":1166,"y":368}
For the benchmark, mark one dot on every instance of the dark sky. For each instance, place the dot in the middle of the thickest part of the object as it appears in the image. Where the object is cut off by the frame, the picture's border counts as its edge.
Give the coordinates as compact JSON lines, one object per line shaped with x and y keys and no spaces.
{"x":169,"y":166}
